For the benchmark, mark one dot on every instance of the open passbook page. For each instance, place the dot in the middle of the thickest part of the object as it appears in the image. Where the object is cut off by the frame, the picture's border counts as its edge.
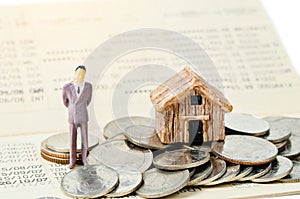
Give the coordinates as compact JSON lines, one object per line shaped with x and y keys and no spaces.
{"x":40,"y":45}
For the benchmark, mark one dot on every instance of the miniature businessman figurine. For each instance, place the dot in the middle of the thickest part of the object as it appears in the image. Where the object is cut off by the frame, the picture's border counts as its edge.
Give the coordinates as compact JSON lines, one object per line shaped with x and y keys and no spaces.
{"x":76,"y":97}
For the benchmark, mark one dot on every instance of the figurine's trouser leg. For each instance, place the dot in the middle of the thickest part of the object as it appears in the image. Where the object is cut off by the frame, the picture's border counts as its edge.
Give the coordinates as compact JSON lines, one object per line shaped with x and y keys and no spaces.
{"x":73,"y":140}
{"x":84,"y":142}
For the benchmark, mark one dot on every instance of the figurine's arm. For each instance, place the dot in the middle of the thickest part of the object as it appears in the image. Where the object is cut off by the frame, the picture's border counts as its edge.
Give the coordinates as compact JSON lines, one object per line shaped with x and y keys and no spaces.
{"x":90,"y":96}
{"x":65,"y":98}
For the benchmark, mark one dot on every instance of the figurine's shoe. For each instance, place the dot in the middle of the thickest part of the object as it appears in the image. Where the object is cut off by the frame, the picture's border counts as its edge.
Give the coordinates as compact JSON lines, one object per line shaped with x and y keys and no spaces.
{"x":71,"y":165}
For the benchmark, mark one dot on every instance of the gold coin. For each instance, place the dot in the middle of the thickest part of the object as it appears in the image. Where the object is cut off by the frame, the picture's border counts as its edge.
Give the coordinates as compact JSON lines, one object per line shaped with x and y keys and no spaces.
{"x":57,"y":160}
{"x":49,"y":152}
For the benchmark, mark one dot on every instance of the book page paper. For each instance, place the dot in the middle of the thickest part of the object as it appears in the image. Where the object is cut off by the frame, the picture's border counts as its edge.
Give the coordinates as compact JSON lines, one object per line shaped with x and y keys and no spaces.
{"x":40,"y":45}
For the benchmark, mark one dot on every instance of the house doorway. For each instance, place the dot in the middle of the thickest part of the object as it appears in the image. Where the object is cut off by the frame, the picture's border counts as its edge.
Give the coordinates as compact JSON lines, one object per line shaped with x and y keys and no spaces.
{"x":195,"y":132}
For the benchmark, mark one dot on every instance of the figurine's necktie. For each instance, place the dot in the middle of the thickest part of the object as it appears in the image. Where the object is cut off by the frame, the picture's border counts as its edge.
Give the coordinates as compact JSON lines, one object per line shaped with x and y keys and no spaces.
{"x":78,"y":90}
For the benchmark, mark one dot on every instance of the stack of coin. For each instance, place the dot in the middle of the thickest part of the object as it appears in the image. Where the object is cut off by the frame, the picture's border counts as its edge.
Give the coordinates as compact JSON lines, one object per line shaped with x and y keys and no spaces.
{"x":281,"y":131}
{"x":292,"y":135}
{"x":292,"y":148}
{"x":56,"y":148}
{"x":118,"y":126}
{"x":284,"y":132}
{"x":249,"y":153}
{"x":245,"y":124}
{"x":120,"y":151}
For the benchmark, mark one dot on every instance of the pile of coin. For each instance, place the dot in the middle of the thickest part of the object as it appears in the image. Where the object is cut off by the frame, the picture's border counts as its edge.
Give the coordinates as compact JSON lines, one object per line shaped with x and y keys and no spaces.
{"x":133,"y":160}
{"x":283,"y":132}
{"x":56,"y":148}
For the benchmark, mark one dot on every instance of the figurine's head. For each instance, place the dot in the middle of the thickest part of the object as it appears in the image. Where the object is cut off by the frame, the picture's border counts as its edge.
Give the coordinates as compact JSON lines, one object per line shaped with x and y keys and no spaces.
{"x":79,"y":74}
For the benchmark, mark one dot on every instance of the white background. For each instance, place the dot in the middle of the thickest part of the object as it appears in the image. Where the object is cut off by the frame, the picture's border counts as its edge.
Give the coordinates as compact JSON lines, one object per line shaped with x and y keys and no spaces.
{"x":285,"y":15}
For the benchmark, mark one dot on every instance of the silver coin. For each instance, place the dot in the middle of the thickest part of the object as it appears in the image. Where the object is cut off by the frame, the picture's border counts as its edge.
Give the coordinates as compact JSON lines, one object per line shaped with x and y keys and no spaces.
{"x":48,"y":197}
{"x":201,"y":173}
{"x":89,"y":181}
{"x":129,"y":180}
{"x":245,"y":123}
{"x":294,"y":176}
{"x":246,"y":150}
{"x":120,"y":152}
{"x":118,"y":126}
{"x":91,"y":160}
{"x":282,"y":145}
{"x":219,"y":168}
{"x":159,"y":183}
{"x":281,"y":167}
{"x":181,"y":159}
{"x":192,"y":171}
{"x":120,"y":136}
{"x":232,"y":170}
{"x":144,"y":136}
{"x":205,"y":146}
{"x":244,"y":171}
{"x":272,"y":118}
{"x":257,"y":172}
{"x":292,"y":123}
{"x":296,"y":158}
{"x":61,"y":142}
{"x":278,"y":132}
{"x":292,"y":149}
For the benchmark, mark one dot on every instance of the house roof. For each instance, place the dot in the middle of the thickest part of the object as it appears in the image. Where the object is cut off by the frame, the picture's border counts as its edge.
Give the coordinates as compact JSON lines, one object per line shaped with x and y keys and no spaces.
{"x":170,"y":91}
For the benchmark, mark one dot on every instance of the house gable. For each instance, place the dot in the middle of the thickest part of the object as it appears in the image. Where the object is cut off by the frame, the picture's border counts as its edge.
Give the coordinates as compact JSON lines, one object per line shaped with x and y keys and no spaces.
{"x":186,"y":80}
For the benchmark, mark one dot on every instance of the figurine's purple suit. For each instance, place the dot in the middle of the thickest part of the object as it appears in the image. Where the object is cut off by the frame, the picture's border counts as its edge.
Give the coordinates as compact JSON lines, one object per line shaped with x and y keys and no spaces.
{"x":78,"y":117}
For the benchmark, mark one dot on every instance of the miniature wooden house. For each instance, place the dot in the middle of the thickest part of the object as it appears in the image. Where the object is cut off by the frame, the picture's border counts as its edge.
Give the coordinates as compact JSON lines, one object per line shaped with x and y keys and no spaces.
{"x":186,"y":101}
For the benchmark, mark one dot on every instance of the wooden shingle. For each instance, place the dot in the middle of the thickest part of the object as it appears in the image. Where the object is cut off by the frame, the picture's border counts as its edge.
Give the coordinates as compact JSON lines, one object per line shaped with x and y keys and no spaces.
{"x":170,"y":91}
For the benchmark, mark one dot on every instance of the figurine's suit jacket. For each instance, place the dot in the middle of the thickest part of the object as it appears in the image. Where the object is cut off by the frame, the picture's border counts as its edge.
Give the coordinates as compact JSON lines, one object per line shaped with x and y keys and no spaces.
{"x":78,"y":117}
{"x":77,"y":105}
